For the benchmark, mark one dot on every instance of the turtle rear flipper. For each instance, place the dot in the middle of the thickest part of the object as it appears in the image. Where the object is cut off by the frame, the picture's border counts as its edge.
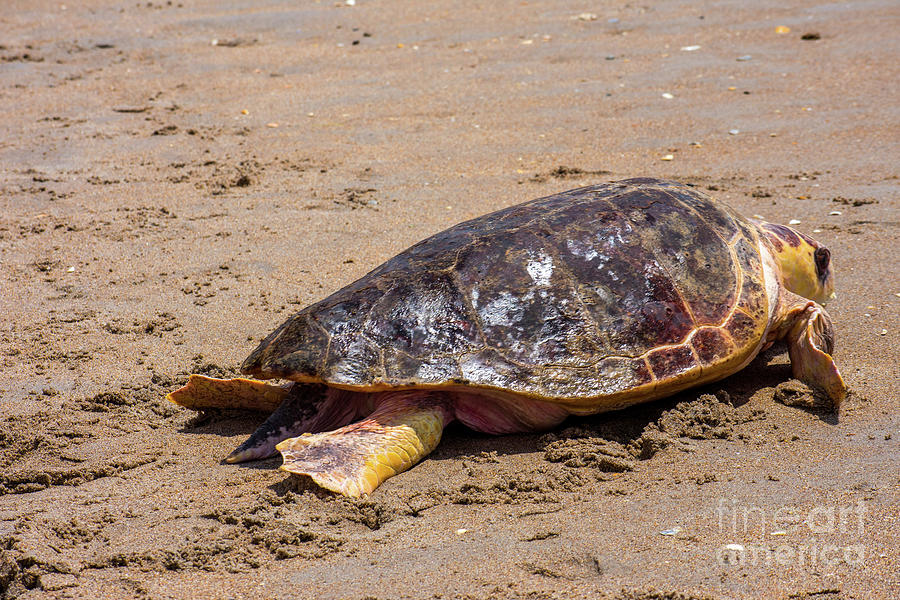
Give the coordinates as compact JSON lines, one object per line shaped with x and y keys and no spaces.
{"x":201,"y":393}
{"x":295,"y":409}
{"x":357,"y":458}
{"x":308,"y":408}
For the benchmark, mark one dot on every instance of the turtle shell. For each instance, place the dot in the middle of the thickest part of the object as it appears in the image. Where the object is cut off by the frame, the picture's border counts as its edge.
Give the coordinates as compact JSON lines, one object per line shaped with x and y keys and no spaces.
{"x":593,"y":298}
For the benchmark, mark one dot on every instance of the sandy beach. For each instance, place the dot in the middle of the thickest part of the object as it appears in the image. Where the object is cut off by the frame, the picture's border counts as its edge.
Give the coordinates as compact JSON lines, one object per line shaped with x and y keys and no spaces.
{"x":179,"y":177}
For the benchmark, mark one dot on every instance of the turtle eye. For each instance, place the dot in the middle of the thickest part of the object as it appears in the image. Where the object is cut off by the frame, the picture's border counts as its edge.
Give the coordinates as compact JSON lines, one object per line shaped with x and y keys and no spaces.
{"x":823,"y":258}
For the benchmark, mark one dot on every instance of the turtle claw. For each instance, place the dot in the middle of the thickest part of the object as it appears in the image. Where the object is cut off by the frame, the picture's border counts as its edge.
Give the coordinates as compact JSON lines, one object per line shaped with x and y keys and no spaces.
{"x":241,"y":454}
{"x":262,"y":443}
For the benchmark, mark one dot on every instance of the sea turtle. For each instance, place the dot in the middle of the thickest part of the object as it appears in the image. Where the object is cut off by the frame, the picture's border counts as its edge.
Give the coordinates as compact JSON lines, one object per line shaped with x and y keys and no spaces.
{"x":586,"y":301}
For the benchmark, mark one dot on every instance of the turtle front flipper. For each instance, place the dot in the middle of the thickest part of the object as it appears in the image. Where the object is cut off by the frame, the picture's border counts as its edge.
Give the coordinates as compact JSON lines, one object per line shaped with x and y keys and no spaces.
{"x":357,"y":458}
{"x":810,"y":341}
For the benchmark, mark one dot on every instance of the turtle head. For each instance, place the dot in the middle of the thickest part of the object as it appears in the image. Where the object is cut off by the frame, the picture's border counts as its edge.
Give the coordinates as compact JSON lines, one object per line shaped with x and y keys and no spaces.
{"x":805,"y":263}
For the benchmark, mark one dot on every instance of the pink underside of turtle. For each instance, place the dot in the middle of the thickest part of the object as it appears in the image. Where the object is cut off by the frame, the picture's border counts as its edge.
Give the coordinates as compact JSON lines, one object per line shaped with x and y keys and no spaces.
{"x":486,"y":412}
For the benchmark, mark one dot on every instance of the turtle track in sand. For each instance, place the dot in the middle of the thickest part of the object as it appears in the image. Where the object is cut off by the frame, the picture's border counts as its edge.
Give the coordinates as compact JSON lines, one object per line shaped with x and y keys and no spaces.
{"x":290,"y":520}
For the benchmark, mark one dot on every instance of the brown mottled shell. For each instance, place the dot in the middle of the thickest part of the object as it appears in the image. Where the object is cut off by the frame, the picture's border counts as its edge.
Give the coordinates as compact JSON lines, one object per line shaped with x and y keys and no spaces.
{"x":593,"y":298}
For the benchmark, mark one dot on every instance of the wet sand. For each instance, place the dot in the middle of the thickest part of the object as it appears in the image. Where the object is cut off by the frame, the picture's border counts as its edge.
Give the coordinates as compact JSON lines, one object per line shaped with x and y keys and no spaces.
{"x":176,"y":178}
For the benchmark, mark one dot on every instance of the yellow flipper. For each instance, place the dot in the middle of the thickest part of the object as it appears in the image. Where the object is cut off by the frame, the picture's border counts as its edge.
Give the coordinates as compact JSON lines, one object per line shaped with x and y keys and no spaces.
{"x":357,"y":458}
{"x":203,"y":392}
{"x":810,"y":343}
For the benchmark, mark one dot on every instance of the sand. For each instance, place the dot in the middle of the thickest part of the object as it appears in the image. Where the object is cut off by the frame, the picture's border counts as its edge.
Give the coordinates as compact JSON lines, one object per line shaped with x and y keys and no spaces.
{"x":176,"y":178}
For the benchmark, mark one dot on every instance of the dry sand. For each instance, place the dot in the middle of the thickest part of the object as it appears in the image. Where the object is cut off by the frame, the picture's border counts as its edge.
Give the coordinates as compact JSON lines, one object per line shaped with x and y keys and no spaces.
{"x":167,"y":200}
